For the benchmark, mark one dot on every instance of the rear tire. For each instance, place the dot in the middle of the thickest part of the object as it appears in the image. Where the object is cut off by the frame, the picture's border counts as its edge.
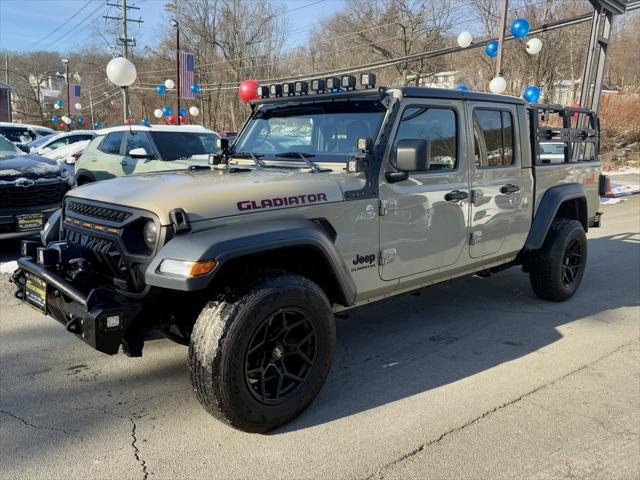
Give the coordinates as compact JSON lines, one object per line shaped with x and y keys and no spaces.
{"x":260,"y":353}
{"x":557,"y":269}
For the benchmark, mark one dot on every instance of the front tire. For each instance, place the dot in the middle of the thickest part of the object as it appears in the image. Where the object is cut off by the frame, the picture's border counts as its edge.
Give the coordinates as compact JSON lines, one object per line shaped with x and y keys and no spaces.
{"x":260,"y":353}
{"x":557,"y":269}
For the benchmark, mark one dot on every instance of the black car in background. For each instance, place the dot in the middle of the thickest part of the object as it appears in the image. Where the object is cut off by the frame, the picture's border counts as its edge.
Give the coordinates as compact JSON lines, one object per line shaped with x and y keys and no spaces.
{"x":31,"y":189}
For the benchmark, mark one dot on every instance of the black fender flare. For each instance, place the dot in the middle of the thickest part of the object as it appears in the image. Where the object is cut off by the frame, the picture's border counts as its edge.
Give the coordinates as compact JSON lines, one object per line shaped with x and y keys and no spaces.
{"x":234,"y":241}
{"x":551,"y":201}
{"x":84,"y":173}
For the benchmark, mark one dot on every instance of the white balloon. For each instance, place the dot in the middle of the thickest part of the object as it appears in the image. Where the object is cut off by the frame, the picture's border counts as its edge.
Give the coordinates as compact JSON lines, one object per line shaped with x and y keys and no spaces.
{"x":498,"y":85}
{"x":157,"y":113}
{"x":78,"y":105}
{"x":56,"y":106}
{"x":169,"y":83}
{"x":195,"y":111}
{"x":465,"y":39}
{"x":66,"y":120}
{"x":534,"y":46}
{"x":121,"y":72}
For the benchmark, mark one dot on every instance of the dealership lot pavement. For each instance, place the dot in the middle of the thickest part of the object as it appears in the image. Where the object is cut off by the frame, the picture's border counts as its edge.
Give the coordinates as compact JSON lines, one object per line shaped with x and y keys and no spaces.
{"x":476,"y":378}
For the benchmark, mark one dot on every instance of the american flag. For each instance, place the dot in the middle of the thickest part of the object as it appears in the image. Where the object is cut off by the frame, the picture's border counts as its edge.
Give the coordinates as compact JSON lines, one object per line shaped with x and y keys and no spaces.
{"x":187,"y":67}
{"x":74,"y":97}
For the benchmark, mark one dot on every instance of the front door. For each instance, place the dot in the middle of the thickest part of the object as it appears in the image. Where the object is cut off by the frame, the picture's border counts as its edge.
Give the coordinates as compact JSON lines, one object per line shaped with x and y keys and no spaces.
{"x":130,"y":165}
{"x":500,"y":209}
{"x":424,"y":219}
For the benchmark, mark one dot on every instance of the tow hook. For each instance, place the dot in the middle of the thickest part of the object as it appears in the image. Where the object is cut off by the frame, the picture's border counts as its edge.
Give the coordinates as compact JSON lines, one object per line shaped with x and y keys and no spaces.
{"x":73,"y":326}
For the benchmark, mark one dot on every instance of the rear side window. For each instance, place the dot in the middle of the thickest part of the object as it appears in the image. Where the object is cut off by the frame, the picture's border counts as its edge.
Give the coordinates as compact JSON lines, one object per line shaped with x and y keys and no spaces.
{"x":79,"y":138}
{"x":493,"y":138}
{"x":438,"y":126}
{"x":111,"y":143}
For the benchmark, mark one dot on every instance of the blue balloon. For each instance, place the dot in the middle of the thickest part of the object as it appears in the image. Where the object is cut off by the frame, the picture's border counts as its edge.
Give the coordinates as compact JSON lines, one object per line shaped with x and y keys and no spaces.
{"x":80,"y":120}
{"x":60,"y":102}
{"x":492,"y":48}
{"x":161,"y":89}
{"x":520,"y":28}
{"x":55,"y":119}
{"x":195,"y":88}
{"x":146,"y":122}
{"x":532,"y":94}
{"x":182,"y":111}
{"x":166,"y":111}
{"x":97,"y":125}
{"x":462,"y":88}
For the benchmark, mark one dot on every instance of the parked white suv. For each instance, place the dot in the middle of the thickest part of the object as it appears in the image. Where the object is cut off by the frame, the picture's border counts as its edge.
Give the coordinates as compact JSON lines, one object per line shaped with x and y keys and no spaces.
{"x":133,"y":149}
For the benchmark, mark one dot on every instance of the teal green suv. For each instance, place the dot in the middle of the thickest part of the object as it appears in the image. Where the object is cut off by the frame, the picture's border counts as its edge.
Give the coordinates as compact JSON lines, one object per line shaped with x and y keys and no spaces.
{"x":134,"y":149}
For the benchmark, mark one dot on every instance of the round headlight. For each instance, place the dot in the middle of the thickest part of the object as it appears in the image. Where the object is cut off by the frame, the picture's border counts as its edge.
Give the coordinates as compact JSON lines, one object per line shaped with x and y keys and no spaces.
{"x":150,"y":234}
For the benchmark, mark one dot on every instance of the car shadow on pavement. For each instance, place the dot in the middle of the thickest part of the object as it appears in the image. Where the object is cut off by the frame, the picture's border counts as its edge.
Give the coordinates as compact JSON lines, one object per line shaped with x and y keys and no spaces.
{"x":411,"y":344}
{"x":395,"y":349}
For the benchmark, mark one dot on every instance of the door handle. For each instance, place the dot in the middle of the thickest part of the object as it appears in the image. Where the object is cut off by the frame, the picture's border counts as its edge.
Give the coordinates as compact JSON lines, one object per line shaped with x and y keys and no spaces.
{"x":509,"y":189}
{"x":456,"y":195}
{"x":123,"y":163}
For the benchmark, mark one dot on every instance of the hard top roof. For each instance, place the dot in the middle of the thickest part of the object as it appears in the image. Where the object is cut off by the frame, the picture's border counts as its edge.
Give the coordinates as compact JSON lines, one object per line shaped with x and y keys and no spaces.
{"x":155,"y":128}
{"x":411,"y":92}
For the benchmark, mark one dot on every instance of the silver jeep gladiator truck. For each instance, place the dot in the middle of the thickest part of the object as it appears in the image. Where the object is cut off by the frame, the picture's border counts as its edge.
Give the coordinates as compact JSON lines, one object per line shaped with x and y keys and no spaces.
{"x":325,"y":202}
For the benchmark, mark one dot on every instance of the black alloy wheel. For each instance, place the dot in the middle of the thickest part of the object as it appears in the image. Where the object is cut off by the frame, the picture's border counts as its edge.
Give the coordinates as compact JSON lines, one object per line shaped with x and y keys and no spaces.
{"x":280,"y":355}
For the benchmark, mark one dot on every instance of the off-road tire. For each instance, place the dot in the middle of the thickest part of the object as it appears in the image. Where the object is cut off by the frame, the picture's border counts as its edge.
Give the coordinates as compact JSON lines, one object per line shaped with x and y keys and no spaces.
{"x":220,"y":344}
{"x":547,"y":272}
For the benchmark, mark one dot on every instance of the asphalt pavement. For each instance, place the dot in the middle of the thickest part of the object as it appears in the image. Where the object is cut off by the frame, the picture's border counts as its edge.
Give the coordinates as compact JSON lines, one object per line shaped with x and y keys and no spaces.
{"x":476,"y":378}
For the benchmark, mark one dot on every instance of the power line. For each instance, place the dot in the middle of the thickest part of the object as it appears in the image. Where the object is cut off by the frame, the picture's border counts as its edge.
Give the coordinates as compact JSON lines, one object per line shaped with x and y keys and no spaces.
{"x":59,"y":27}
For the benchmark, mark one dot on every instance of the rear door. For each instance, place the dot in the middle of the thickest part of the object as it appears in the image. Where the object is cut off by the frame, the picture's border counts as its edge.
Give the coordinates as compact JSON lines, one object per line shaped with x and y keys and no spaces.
{"x":424,"y":219}
{"x":500,"y":207}
{"x":105,"y":162}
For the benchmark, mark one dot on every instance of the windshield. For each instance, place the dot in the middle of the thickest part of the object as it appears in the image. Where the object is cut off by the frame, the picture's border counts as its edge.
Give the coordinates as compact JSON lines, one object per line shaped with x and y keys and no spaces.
{"x":17,"y":134}
{"x":324,"y":132}
{"x":175,"y":145}
{"x":39,"y":141}
{"x":6,"y":146}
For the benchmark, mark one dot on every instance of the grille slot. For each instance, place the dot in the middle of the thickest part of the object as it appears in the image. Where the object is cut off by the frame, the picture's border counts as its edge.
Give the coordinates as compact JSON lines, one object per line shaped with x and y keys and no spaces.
{"x":103,"y":213}
{"x":108,"y":258}
{"x":32,"y":195}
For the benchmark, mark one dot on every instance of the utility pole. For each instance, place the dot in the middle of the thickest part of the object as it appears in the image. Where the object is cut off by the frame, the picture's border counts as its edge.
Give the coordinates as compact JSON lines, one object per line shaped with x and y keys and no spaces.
{"x":124,"y":41}
{"x":503,"y":26}
{"x":6,"y":68}
{"x":93,"y":122}
{"x":176,"y":25}
{"x":66,"y":79}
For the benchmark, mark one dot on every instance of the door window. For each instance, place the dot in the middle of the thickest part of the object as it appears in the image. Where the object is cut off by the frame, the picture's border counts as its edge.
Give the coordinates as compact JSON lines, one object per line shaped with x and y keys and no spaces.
{"x":111,"y":143}
{"x":58,"y":143}
{"x":139,"y":140}
{"x":438,"y":126}
{"x":493,"y":138}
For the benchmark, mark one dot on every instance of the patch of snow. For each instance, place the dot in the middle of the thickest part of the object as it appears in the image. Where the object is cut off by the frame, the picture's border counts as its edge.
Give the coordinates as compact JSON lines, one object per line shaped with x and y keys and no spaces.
{"x":610,"y":201}
{"x":8,"y":267}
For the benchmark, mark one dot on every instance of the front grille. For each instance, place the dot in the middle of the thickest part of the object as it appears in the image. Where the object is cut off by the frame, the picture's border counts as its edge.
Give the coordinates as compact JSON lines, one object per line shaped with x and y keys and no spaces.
{"x":103,"y":213}
{"x":107,"y":255}
{"x":32,"y":195}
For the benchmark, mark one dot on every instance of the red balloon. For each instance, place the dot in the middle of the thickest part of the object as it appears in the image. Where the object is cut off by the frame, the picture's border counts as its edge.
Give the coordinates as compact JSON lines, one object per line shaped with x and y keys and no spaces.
{"x":183,"y":118}
{"x":248,"y":90}
{"x":172,"y":119}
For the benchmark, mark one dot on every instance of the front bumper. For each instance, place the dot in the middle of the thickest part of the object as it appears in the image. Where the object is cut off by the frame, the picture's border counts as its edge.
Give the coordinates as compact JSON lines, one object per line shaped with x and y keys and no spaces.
{"x":100,"y":318}
{"x":9,"y":223}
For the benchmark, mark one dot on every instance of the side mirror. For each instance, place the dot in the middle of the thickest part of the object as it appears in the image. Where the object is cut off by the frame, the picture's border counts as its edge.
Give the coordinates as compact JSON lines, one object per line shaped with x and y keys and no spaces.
{"x":139,"y":153}
{"x":413,"y":155}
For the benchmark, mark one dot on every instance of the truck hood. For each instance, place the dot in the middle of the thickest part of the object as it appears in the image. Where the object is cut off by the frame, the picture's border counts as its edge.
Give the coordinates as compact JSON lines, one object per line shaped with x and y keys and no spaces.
{"x":14,"y":166}
{"x":212,"y":194}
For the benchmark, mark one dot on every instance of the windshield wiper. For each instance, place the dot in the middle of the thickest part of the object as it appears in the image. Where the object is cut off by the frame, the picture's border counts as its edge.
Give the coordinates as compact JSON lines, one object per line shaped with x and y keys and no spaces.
{"x":256,"y":158}
{"x":305,"y":158}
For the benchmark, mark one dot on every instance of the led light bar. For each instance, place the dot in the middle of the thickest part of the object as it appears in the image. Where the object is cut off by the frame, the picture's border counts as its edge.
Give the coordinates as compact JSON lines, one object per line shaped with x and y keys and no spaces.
{"x":318,"y":85}
{"x":302,"y":88}
{"x":263,"y":92}
{"x":332,"y":83}
{"x":368,"y":80}
{"x":348,"y":82}
{"x":275,"y":90}
{"x":288,"y":89}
